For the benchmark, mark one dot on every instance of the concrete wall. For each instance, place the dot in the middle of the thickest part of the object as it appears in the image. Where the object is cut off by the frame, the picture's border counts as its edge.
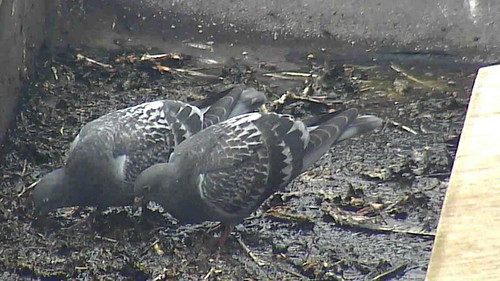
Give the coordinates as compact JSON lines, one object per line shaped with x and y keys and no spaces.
{"x":21,"y":35}
{"x":465,"y":27}
{"x":423,"y":24}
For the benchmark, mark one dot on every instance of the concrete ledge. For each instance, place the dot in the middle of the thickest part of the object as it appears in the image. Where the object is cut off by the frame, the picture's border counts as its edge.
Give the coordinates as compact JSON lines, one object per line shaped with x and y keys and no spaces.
{"x":467,"y":245}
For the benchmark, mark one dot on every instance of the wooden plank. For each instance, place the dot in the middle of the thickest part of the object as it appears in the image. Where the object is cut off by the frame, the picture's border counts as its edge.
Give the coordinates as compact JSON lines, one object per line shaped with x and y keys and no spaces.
{"x":467,"y":245}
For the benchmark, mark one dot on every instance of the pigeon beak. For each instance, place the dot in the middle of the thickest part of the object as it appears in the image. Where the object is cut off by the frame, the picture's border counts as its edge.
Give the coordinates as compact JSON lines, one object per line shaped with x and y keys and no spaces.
{"x":138,"y":202}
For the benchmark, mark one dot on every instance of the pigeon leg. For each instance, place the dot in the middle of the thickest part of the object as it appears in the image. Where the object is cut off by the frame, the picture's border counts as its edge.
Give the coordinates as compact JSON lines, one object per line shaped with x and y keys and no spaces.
{"x":226,"y":231}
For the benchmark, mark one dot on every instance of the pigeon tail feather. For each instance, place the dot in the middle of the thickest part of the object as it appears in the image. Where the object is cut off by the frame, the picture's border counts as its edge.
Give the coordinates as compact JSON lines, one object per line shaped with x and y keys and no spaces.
{"x":238,"y":101}
{"x":341,"y":126}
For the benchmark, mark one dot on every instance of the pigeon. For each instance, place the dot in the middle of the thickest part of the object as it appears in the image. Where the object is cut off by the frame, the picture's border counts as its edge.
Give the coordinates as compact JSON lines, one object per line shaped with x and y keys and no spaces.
{"x":225,"y":172}
{"x":108,"y":153}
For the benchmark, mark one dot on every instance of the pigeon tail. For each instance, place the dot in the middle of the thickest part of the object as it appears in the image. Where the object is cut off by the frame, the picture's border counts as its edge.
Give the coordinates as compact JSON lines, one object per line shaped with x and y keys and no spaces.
{"x":238,"y":101}
{"x":341,"y":126}
{"x":361,"y":125}
{"x":250,"y":100}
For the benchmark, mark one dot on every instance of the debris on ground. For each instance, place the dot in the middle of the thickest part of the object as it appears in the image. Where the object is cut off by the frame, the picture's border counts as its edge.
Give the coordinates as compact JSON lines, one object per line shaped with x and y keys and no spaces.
{"x":367,"y":210}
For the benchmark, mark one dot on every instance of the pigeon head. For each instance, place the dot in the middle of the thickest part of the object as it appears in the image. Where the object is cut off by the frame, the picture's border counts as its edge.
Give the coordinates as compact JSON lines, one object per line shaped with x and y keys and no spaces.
{"x":154,"y":182}
{"x":48,"y":194}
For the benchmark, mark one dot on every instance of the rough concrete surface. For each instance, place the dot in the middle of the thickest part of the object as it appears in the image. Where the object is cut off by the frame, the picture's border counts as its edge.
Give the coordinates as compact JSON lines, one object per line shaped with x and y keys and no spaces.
{"x":444,"y":24}
{"x":21,"y":33}
{"x":467,"y":27}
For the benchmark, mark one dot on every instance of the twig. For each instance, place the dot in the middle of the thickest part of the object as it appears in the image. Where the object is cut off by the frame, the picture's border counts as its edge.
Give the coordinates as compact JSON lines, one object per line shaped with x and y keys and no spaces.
{"x":403,"y":231}
{"x":330,"y":100}
{"x":194,"y":73}
{"x":25,"y":163}
{"x":146,"y":248}
{"x":209,"y":61}
{"x":212,"y":270}
{"x":80,"y":57}
{"x":390,"y":272}
{"x":106,"y":239}
{"x":281,"y":213}
{"x":404,"y":127}
{"x":162,"y":68}
{"x":367,"y":88}
{"x":281,"y":76}
{"x":148,"y":57}
{"x":28,"y":188}
{"x":54,"y":71}
{"x":299,"y":74}
{"x":258,"y":261}
{"x":294,"y":273}
{"x":410,"y":77}
{"x":319,"y":192}
{"x":356,"y":222}
{"x":287,"y":75}
{"x":201,"y":46}
{"x":439,"y":174}
{"x":281,"y":100}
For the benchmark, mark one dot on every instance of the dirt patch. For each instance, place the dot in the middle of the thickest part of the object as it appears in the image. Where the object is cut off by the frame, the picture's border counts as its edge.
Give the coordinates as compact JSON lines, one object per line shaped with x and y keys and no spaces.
{"x":367,"y":210}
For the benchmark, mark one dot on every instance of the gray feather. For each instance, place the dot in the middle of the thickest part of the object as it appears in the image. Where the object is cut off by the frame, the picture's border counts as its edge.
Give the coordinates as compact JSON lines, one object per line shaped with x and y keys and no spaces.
{"x":238,"y":101}
{"x":226,"y":171}
{"x":109,"y":152}
{"x":360,"y":125}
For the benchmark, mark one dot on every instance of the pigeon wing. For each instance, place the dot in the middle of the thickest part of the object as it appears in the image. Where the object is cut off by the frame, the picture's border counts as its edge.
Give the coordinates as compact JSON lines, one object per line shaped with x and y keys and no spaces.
{"x":135,"y":138}
{"x":247,"y":158}
{"x":239,"y":100}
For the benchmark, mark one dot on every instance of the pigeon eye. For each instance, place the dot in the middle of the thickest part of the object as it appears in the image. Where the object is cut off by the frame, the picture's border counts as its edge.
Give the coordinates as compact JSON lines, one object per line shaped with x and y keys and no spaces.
{"x":146,"y":188}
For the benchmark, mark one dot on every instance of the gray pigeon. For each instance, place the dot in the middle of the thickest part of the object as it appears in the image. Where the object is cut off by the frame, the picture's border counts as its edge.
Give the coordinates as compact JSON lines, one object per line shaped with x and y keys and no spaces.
{"x":109,"y":152}
{"x":226,"y":171}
